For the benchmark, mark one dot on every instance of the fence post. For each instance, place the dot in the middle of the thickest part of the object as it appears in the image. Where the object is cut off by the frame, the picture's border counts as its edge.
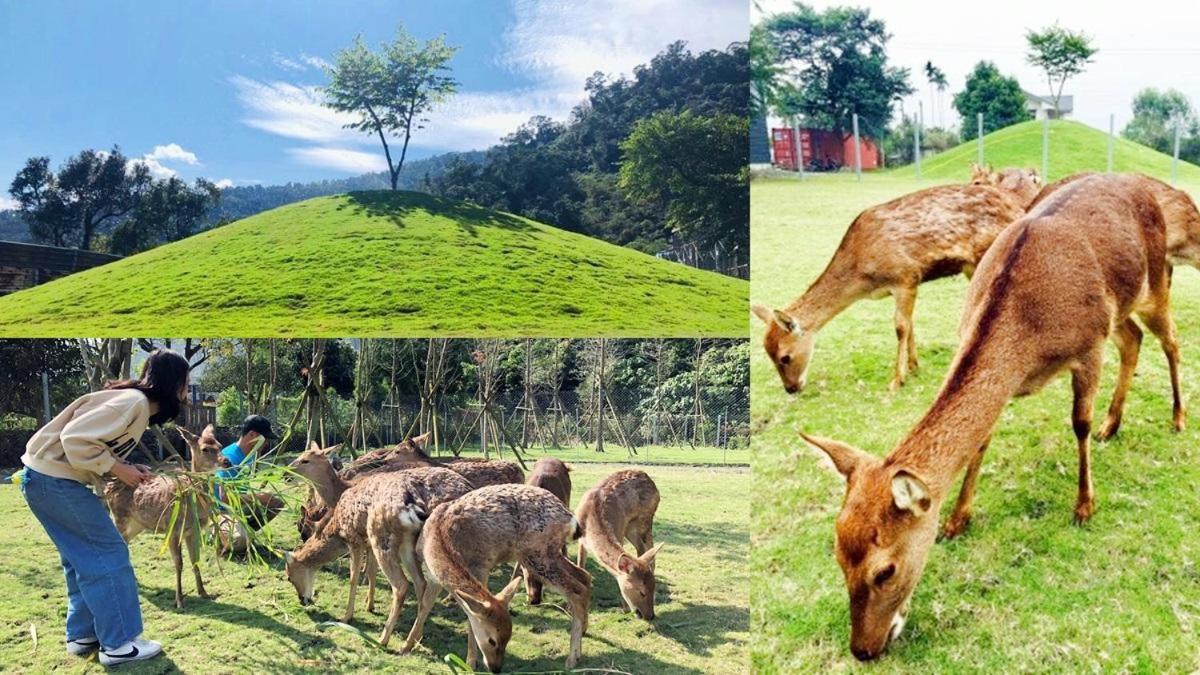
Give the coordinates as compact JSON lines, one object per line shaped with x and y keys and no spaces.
{"x":799,"y":151}
{"x":979,"y":138}
{"x":1175,"y":160}
{"x":1111,"y":123}
{"x":1046,"y":149}
{"x":46,"y":397}
{"x":917,"y":149}
{"x":858,"y":148}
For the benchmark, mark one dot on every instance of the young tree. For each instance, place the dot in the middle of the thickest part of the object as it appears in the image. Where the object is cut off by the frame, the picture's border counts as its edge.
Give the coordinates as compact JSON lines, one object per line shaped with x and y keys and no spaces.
{"x":1061,"y":53}
{"x":698,"y":167}
{"x":392,"y":90}
{"x":839,"y":60}
{"x":91,"y":190}
{"x":999,"y":98}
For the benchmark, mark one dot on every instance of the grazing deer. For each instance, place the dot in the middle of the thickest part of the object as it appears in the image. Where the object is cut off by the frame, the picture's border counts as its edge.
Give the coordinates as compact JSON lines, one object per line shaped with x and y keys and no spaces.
{"x":480,"y":472}
{"x":622,"y":507}
{"x":346,"y":526}
{"x":553,"y":475}
{"x":890,"y":249}
{"x":151,"y":504}
{"x":1053,"y":288}
{"x":464,"y":540}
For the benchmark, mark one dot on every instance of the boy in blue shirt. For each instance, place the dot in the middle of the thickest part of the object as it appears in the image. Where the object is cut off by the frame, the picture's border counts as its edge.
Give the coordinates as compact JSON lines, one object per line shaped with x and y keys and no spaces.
{"x":254,"y":428}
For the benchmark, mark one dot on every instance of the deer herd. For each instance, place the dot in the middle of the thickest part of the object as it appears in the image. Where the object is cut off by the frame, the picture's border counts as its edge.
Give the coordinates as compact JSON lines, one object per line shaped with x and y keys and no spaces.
{"x":1054,"y":272}
{"x":431,"y":525}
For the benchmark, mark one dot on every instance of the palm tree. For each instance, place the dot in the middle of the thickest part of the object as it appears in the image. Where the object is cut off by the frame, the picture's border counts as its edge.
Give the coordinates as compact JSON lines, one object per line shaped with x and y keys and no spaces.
{"x":937,"y":79}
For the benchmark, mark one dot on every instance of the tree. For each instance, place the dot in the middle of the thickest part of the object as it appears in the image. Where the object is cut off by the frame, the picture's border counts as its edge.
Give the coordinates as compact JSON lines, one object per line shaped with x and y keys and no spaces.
{"x":91,"y":190}
{"x":764,"y":72}
{"x":1156,"y":116}
{"x":169,"y":211}
{"x":937,"y":80}
{"x":999,"y":98}
{"x":392,"y":90}
{"x":21,"y":377}
{"x":698,"y":167}
{"x":839,"y":60}
{"x":1061,"y":53}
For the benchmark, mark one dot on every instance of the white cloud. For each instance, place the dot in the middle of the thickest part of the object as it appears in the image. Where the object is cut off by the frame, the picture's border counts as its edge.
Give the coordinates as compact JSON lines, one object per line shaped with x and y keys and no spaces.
{"x":7,"y":204}
{"x":171,"y":152}
{"x":291,"y":111}
{"x":286,"y":63}
{"x":351,"y":161}
{"x":224,"y":183}
{"x":314,"y":61}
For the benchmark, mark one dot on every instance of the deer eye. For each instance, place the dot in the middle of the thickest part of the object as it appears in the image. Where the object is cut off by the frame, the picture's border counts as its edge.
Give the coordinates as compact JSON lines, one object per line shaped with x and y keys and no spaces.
{"x":883,"y":575}
{"x":491,"y":642}
{"x":785,"y":359}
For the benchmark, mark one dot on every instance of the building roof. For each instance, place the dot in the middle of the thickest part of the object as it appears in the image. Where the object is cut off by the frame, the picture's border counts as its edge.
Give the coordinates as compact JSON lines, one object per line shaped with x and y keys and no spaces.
{"x":1065,"y":104}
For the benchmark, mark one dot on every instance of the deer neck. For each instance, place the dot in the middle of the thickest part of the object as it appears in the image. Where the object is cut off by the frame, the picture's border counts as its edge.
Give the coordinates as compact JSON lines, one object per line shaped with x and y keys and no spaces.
{"x":602,"y":540}
{"x":324,"y":546}
{"x":829,"y":295}
{"x":330,"y":485}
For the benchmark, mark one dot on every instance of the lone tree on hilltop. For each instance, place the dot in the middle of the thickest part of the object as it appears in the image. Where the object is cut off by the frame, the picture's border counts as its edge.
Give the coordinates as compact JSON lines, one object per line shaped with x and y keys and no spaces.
{"x":393,"y":90}
{"x":1061,"y":54}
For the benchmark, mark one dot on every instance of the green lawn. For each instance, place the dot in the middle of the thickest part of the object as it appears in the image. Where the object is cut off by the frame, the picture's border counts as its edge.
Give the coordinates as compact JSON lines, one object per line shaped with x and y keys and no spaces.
{"x":1023,"y":590}
{"x":258,"y":625}
{"x":652,"y":454}
{"x":381,"y":263}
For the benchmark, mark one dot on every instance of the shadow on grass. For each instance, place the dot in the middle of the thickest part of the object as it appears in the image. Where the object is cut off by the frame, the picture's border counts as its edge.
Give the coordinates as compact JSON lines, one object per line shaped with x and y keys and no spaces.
{"x":396,"y":206}
{"x":164,"y":599}
{"x":725,"y":543}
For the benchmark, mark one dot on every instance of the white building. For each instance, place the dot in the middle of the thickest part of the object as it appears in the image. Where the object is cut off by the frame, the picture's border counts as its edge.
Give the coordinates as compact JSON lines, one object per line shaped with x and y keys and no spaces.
{"x":1042,"y":107}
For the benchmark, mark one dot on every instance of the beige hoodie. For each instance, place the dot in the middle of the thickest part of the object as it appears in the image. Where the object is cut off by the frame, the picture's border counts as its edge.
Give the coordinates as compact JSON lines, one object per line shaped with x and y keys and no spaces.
{"x":85,"y":440}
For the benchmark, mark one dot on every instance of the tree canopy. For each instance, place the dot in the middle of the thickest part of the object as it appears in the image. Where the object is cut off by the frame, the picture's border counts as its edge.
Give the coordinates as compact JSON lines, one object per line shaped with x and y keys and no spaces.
{"x":1061,"y":54}
{"x":1156,"y":116}
{"x":999,"y":98}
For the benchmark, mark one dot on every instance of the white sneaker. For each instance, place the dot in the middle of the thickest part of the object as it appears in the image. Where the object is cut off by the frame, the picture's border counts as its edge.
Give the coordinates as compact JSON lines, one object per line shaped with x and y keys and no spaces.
{"x":137,"y":650}
{"x":82,"y":647}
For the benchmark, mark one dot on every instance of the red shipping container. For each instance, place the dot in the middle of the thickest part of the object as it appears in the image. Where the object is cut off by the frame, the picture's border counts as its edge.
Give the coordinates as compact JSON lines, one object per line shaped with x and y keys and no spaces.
{"x":783,"y":145}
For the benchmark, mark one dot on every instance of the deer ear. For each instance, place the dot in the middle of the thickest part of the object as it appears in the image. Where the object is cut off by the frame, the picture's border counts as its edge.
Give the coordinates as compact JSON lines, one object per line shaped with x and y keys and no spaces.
{"x":422,"y":440}
{"x":332,"y":450}
{"x":845,"y":457}
{"x":312,"y":445}
{"x":473,"y":604}
{"x":787,"y":322}
{"x":648,"y":556}
{"x":624,"y":564}
{"x":763,"y":313}
{"x":187,"y":435}
{"x":506,"y":594}
{"x":909,"y":493}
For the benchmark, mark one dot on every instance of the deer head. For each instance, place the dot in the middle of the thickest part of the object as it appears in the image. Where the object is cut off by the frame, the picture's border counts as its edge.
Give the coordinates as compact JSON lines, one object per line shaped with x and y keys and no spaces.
{"x":635,"y":578}
{"x":982,"y":175}
{"x":205,"y":449}
{"x":314,"y":461}
{"x":1024,"y":184}
{"x":789,"y":346}
{"x":887,"y":525}
{"x":490,"y":622}
{"x":302,"y":576}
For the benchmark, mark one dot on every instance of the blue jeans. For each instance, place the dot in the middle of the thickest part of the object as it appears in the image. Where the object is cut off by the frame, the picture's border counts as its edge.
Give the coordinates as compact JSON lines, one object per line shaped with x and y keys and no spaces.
{"x":102,"y":594}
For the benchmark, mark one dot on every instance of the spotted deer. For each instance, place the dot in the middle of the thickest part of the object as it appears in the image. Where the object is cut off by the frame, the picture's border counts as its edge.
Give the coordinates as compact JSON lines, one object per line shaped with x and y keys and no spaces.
{"x":346,"y":527}
{"x":1055,"y":285}
{"x":151,"y":505}
{"x":553,"y":475}
{"x":621,"y":507}
{"x":464,"y":540}
{"x":891,"y":249}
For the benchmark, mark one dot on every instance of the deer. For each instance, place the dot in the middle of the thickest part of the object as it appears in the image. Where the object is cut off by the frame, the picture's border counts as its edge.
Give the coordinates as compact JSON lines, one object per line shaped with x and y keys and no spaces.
{"x":150,"y":505}
{"x":621,"y":507}
{"x":1053,"y":288}
{"x":346,"y":527}
{"x":463,"y":540}
{"x":890,"y":249}
{"x":553,"y":475}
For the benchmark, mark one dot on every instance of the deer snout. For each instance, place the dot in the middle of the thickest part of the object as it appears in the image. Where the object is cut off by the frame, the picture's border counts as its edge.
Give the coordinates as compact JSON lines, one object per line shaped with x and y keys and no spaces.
{"x":863,"y":654}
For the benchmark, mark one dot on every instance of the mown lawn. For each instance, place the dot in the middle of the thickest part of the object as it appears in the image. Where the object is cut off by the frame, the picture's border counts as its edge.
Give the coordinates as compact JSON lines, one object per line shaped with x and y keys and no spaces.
{"x":1023,"y":590}
{"x":378,"y":264}
{"x":650,"y":454}
{"x":257,"y":624}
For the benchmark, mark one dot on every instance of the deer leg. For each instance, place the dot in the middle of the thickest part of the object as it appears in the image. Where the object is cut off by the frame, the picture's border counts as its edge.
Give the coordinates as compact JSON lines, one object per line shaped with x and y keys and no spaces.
{"x":355,"y":568}
{"x":372,"y":571}
{"x":427,"y":592}
{"x":573,"y":583}
{"x":1162,"y":326}
{"x":193,"y":544}
{"x":1085,"y":380}
{"x":906,"y":299}
{"x":1128,"y":338}
{"x":581,"y":558}
{"x":389,"y":563}
{"x":961,"y":516}
{"x":177,"y":556}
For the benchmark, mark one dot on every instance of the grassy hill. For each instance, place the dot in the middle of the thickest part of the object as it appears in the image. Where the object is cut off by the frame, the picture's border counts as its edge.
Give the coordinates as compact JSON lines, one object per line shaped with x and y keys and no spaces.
{"x":1073,"y":147}
{"x":382,"y":263}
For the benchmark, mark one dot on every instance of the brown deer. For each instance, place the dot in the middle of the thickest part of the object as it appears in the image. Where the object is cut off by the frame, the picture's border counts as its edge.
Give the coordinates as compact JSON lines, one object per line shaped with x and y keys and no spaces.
{"x":1053,"y":288}
{"x":464,"y":540}
{"x":622,"y":507}
{"x":346,"y":526}
{"x":480,"y":472}
{"x":553,"y":475}
{"x":890,"y":249}
{"x":149,"y":507}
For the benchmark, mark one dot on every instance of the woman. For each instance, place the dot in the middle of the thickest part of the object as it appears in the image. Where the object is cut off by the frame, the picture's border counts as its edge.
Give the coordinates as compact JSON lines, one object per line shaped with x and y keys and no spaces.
{"x":63,"y":460}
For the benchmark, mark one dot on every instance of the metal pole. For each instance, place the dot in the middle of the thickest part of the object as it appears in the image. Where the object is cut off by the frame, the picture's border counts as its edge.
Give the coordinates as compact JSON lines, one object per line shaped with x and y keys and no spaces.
{"x":979,"y":139}
{"x":799,"y":151}
{"x":917,"y":149}
{"x":46,"y":397}
{"x":1175,"y":161}
{"x":1111,"y":123}
{"x":858,"y":148}
{"x":1046,"y":148}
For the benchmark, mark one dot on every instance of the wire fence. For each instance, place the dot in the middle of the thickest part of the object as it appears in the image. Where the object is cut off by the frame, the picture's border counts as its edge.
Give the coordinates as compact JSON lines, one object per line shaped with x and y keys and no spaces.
{"x":728,"y":260}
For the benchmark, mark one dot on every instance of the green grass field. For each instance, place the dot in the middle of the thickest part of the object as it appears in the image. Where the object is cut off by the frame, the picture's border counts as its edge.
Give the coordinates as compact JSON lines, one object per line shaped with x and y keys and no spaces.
{"x":1074,"y":147}
{"x":381,"y":263}
{"x":1022,"y":590}
{"x":257,"y":624}
{"x":649,"y":454}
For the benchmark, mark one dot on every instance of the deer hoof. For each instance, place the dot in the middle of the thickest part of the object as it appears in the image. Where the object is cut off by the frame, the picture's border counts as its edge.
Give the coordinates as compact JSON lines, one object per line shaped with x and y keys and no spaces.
{"x":1108,"y":429}
{"x":1083,"y":512}
{"x":895,"y":384}
{"x":1180,"y":421}
{"x":955,"y":526}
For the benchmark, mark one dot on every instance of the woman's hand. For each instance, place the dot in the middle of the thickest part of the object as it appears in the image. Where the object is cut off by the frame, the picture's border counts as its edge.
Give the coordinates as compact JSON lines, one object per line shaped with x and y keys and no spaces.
{"x":131,"y":474}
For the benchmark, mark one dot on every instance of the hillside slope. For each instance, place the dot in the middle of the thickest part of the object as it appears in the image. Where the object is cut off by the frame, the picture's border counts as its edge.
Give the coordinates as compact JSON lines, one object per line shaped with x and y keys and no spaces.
{"x":382,"y":263}
{"x":1074,"y":147}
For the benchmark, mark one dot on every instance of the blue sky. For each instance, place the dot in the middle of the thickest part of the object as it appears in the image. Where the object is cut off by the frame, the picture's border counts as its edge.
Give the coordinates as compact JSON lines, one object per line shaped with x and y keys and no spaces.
{"x":225,"y":89}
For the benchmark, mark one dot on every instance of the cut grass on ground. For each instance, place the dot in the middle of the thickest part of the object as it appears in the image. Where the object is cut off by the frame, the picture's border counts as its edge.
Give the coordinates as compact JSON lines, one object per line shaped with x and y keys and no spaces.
{"x":257,"y":624}
{"x":650,"y":454}
{"x":383,"y":263}
{"x":1022,"y":590}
